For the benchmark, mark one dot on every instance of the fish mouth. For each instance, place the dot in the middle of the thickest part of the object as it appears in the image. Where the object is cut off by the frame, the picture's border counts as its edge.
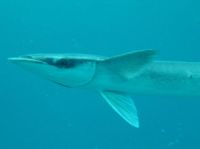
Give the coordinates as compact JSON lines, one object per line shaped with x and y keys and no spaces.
{"x":25,"y":59}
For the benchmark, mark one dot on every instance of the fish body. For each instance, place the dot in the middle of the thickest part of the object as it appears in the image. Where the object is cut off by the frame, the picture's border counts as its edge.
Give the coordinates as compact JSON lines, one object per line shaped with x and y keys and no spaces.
{"x":117,"y":78}
{"x":157,"y":78}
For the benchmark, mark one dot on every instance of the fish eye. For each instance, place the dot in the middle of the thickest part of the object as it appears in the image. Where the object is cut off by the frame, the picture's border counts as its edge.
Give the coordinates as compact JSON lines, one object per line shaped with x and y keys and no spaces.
{"x":65,"y":63}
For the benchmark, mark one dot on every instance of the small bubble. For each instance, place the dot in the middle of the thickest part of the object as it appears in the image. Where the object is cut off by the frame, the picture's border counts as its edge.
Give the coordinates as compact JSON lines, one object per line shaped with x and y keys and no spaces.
{"x":163,"y":131}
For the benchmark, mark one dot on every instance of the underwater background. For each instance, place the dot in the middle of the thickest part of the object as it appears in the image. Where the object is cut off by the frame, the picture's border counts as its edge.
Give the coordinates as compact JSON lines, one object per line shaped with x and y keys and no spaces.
{"x":37,"y":114}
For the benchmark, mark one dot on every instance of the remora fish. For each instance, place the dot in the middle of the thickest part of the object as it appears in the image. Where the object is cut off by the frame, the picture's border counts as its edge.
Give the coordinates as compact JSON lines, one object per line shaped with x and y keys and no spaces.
{"x":117,"y":77}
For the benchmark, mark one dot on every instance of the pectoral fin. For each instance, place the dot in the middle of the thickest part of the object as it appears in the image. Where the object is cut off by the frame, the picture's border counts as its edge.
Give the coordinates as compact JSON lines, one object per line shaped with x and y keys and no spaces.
{"x":129,"y":64}
{"x":123,"y":105}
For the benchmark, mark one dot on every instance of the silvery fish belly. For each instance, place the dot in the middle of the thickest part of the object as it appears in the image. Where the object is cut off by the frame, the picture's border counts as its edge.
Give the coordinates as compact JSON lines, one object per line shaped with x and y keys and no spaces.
{"x":160,"y":77}
{"x":170,"y":78}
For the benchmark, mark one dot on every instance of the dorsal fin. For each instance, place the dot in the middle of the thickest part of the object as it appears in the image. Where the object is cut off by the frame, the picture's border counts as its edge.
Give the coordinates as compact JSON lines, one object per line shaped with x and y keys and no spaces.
{"x":129,"y":64}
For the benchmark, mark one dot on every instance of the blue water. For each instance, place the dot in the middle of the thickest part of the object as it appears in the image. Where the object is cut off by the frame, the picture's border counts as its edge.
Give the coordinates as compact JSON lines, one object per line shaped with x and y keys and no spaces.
{"x":37,"y":114}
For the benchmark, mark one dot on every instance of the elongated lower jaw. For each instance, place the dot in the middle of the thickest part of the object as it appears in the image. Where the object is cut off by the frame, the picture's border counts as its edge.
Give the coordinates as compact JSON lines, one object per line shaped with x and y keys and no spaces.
{"x":24,"y":60}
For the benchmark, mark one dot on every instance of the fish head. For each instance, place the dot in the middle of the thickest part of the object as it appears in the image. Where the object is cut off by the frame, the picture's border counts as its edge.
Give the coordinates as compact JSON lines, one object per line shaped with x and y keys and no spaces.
{"x":67,"y":70}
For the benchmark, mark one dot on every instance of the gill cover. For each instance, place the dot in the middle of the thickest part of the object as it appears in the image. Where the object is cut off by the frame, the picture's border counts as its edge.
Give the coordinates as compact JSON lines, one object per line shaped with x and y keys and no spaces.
{"x":82,"y":74}
{"x":69,"y":71}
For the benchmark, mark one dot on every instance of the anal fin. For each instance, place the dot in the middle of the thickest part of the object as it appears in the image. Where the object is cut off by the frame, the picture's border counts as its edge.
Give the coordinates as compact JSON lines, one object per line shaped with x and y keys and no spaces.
{"x":123,"y":105}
